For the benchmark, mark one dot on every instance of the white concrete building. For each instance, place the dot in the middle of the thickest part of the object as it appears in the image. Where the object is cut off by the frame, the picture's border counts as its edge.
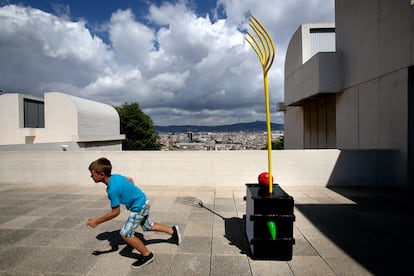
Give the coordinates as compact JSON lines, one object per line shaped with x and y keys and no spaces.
{"x":358,"y":98}
{"x":59,"y":122}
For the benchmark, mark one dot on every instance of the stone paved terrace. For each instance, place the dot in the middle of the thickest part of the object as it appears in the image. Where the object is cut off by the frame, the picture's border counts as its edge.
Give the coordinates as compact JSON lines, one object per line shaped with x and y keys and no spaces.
{"x":341,"y":231}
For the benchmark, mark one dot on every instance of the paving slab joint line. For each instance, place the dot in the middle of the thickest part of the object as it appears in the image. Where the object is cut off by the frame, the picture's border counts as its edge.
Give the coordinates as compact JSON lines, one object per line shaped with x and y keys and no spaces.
{"x":171,"y":263}
{"x":317,"y":252}
{"x":212,"y":234}
{"x":93,"y":266}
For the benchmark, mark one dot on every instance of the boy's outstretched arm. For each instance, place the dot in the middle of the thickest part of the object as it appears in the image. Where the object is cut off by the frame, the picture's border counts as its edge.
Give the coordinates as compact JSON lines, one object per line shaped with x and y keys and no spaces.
{"x":93,"y":222}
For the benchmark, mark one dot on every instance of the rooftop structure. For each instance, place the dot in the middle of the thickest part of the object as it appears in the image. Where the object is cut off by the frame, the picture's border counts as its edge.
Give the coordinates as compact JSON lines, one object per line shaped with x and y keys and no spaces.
{"x":60,"y":121}
{"x":358,"y":95}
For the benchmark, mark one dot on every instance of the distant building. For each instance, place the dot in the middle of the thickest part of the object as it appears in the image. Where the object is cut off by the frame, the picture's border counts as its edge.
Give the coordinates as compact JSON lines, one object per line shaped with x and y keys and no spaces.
{"x":57,"y":122}
{"x":359,"y":96}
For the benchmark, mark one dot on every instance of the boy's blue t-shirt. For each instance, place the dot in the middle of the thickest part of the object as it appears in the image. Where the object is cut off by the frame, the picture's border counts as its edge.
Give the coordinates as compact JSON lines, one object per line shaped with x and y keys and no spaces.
{"x":121,"y":191}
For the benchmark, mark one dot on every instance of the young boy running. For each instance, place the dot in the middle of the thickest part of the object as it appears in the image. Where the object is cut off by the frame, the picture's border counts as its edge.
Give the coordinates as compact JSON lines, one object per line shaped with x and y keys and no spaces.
{"x":121,"y":190}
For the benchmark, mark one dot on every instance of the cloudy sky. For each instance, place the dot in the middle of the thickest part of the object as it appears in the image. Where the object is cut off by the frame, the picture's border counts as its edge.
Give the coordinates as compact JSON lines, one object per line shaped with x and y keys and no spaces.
{"x":183,"y":61}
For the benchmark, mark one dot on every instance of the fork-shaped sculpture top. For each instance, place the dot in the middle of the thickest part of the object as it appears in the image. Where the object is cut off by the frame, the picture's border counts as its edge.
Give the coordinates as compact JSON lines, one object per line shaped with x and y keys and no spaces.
{"x":265,"y":50}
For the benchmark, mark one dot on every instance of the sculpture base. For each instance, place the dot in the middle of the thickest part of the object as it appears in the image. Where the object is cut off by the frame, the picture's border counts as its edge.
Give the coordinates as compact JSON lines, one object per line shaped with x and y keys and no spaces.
{"x":261,"y":208}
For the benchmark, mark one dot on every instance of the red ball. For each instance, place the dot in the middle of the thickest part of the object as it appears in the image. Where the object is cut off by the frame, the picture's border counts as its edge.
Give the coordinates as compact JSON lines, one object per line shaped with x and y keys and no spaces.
{"x":264,"y":178}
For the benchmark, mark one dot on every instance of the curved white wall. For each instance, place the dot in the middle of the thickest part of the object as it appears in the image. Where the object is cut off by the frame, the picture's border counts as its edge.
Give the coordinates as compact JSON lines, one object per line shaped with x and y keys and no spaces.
{"x":70,"y":118}
{"x":95,"y":120}
{"x":67,"y":119}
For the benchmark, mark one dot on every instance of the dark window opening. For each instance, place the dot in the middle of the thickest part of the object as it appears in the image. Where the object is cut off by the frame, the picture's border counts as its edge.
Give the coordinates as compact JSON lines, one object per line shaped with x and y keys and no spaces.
{"x":322,"y":30}
{"x":34,"y":114}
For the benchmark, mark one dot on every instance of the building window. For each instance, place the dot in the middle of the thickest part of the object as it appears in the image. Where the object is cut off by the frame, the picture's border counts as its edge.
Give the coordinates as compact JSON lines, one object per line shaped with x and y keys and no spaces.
{"x":322,"y":40}
{"x":34,"y":114}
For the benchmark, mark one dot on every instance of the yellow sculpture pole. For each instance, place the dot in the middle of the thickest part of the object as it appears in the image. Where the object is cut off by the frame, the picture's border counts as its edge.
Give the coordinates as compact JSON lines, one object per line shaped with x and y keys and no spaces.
{"x":266,"y":53}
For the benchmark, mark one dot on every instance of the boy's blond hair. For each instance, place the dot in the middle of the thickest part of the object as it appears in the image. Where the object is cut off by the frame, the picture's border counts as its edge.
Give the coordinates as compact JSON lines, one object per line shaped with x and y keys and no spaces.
{"x":101,"y":165}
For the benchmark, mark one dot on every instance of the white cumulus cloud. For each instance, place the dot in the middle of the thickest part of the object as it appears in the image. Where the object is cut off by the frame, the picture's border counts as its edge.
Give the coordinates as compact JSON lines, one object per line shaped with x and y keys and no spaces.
{"x":181,"y":68}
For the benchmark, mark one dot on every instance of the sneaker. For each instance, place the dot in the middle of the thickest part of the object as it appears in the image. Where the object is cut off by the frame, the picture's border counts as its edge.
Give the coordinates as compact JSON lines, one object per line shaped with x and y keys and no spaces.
{"x":176,"y":237}
{"x":143,"y":261}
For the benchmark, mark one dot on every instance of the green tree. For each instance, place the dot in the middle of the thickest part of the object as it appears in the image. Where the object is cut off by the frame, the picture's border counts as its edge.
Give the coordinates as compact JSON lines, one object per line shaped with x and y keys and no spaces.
{"x":277,"y":145}
{"x":138,"y":128}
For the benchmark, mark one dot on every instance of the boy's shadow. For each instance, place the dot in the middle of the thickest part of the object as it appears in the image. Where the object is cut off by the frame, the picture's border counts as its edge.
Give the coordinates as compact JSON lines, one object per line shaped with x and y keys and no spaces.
{"x":115,"y":240}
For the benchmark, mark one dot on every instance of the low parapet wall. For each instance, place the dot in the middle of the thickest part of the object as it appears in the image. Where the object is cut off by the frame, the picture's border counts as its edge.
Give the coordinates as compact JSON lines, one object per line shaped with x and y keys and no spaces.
{"x":187,"y":168}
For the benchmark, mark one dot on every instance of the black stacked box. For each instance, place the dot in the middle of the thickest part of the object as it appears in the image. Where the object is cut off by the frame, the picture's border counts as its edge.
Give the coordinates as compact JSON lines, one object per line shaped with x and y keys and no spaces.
{"x":262,"y":207}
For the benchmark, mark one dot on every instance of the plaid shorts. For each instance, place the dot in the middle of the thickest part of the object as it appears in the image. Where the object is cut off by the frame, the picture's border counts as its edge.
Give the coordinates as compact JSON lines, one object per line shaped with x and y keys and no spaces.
{"x":137,"y":218}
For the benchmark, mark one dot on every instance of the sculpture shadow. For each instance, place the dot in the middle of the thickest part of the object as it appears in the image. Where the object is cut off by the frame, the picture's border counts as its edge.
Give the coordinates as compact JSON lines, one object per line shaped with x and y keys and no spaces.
{"x":234,"y":227}
{"x":235,"y":233}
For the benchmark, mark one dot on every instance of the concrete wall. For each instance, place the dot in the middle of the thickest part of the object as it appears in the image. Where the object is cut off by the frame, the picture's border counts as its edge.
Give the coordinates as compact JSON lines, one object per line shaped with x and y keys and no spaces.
{"x":294,"y":135}
{"x":96,"y":120}
{"x":294,"y":53}
{"x":299,"y":48}
{"x":69,"y":118}
{"x":319,"y":123}
{"x":65,"y":146}
{"x":374,"y":114}
{"x":200,"y":168}
{"x":374,"y":42}
{"x":60,"y":119}
{"x":12,"y":120}
{"x":320,"y":74}
{"x":412,"y":37}
{"x":374,"y":36}
{"x":310,"y":85}
{"x":375,"y":39}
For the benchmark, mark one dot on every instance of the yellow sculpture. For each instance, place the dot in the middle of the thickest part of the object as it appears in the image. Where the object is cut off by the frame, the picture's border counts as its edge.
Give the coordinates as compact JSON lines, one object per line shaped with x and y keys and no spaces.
{"x":266,"y":52}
